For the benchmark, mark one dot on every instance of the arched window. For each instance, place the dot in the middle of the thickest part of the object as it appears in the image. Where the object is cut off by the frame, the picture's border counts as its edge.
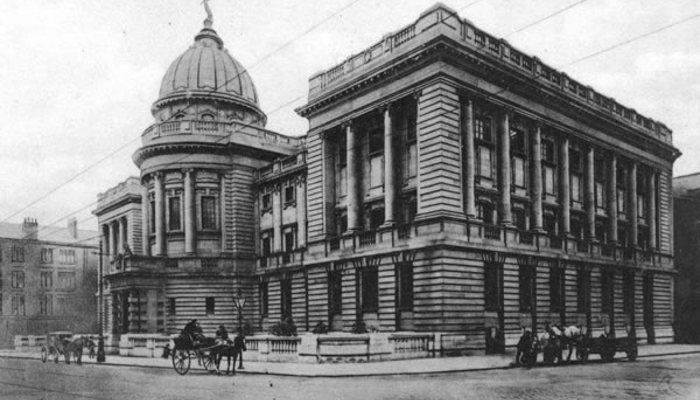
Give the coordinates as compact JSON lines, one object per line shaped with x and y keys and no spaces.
{"x":207,"y":117}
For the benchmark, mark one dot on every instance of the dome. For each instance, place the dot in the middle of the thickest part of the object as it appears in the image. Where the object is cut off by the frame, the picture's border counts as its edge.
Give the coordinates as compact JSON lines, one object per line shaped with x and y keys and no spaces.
{"x":207,"y":70}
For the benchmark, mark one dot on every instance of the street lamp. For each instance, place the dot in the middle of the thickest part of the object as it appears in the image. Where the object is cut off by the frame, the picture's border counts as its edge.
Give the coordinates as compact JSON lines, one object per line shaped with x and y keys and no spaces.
{"x":239,"y":302}
{"x":100,"y":338}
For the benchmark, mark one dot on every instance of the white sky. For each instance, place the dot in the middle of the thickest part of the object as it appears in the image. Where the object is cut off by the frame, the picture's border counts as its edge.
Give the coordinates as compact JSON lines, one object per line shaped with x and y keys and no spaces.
{"x":77,"y":78}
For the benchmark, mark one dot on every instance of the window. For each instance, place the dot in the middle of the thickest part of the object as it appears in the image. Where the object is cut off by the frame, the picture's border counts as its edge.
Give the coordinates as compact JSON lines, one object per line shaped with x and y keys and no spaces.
{"x":266,"y":203}
{"x":66,"y":256}
{"x":210,"y":304}
{"x":18,"y":304}
{"x":600,"y":195}
{"x":621,"y":192}
{"x":66,"y":280}
{"x":341,"y":177}
{"x":46,"y":279}
{"x":335,"y":292}
{"x":583,"y":290}
{"x":492,"y":286}
{"x":172,"y":306}
{"x":289,"y":238}
{"x":376,"y":141}
{"x":208,"y":212}
{"x":62,"y":306}
{"x":548,"y":153}
{"x":600,"y":183}
{"x":548,"y":180}
{"x":575,"y":161}
{"x":482,"y":129}
{"x":641,"y":206}
{"x":17,"y":279}
{"x":174,"y":221}
{"x":264,"y":300}
{"x":527,"y":288}
{"x":376,"y":216}
{"x":411,"y":166}
{"x":485,"y":212}
{"x":46,"y":256}
{"x":152,"y":217}
{"x":607,"y":292}
{"x":266,"y":242}
{"x":286,"y":298}
{"x":628,"y":295}
{"x":369,"y":285}
{"x":621,"y":203}
{"x":601,"y":231}
{"x":341,"y":221}
{"x":207,"y":117}
{"x":289,"y":196}
{"x":409,"y":125}
{"x":46,"y":305}
{"x":549,"y":220}
{"x":576,"y":190}
{"x":376,"y":171}
{"x":17,"y":253}
{"x":556,"y":289}
{"x":483,"y":162}
{"x":517,"y":142}
{"x":518,"y":175}
{"x":405,"y":282}
{"x":520,"y":218}
{"x":577,"y":226}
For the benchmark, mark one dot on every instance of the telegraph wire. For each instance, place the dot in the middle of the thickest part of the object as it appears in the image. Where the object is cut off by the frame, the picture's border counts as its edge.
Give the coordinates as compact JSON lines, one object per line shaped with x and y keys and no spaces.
{"x":245,"y":70}
{"x":554,"y":14}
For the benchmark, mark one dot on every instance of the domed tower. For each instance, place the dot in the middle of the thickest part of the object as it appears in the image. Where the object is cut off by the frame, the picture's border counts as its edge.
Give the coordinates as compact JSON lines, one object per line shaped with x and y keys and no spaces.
{"x":198,"y":163}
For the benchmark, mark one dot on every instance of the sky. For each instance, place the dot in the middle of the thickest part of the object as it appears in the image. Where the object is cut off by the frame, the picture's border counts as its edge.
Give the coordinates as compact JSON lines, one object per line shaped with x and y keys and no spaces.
{"x":78,"y":77}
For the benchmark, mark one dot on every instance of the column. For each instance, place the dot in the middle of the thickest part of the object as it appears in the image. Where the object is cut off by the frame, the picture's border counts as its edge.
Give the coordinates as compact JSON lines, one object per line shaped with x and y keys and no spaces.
{"x":277,"y":218}
{"x":122,"y":235}
{"x":389,"y":179}
{"x":301,"y":211}
{"x":537,"y":177}
{"x":651,"y":217}
{"x":145,"y":219}
{"x":160,"y":214}
{"x":190,"y":218}
{"x":564,"y":190}
{"x":590,"y":193}
{"x":633,"y":204}
{"x":612,"y":199}
{"x":353,"y":181}
{"x":504,"y":170}
{"x":113,"y":240}
{"x":469,"y":160}
{"x":107,"y":240}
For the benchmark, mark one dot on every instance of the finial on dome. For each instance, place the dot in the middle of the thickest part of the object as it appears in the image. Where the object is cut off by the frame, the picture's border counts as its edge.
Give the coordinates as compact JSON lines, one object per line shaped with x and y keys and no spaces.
{"x":209,"y":21}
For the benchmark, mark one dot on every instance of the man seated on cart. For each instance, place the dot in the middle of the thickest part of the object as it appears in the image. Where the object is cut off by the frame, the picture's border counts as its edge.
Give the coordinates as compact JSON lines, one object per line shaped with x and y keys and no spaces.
{"x":193,"y":332}
{"x":222,"y":337}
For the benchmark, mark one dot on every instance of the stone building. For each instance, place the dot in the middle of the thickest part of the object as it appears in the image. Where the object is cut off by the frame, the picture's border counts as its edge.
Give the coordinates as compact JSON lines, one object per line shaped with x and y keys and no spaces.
{"x":686,"y":228}
{"x":448,"y":183}
{"x":47,"y":279}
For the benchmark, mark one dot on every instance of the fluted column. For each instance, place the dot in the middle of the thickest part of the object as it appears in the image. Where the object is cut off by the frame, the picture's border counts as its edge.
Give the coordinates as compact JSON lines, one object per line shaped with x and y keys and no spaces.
{"x":353,"y":179}
{"x":389,"y":178}
{"x":590,"y":192}
{"x":633,"y":205}
{"x":564,"y":186}
{"x":469,"y":161}
{"x":122,"y":235}
{"x":612,"y":198}
{"x":652,"y":209}
{"x":537,"y":177}
{"x":145,"y":220}
{"x":504,"y":170}
{"x":190,"y":225}
{"x":160,"y":214}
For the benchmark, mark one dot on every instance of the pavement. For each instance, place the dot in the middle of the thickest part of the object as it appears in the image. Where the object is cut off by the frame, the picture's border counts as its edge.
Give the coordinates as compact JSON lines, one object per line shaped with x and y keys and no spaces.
{"x":419,"y":366}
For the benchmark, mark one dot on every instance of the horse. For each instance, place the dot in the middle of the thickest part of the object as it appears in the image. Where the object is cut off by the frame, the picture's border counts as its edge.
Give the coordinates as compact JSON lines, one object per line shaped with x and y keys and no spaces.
{"x":551,"y":346}
{"x":527,"y":349}
{"x":571,"y":338}
{"x":224,"y":350}
{"x":74,"y":347}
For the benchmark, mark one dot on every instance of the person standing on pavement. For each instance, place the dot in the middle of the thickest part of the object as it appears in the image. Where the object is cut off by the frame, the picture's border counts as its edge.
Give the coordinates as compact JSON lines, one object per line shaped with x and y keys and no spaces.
{"x":238,"y":349}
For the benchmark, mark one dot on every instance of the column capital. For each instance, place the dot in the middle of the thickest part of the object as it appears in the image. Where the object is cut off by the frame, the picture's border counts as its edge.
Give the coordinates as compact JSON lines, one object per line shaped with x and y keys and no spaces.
{"x":346,"y":124}
{"x":158,"y":175}
{"x":188,"y":171}
{"x":417,"y":94}
{"x":508,"y":111}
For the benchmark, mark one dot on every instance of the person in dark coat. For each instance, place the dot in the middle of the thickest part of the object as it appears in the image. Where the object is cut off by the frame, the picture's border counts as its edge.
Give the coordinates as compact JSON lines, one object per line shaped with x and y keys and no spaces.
{"x":222,"y":337}
{"x":239,"y":348}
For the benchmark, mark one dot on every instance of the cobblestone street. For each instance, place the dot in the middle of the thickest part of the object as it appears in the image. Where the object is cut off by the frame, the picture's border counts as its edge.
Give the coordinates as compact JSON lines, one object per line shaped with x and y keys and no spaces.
{"x":668,"y":378}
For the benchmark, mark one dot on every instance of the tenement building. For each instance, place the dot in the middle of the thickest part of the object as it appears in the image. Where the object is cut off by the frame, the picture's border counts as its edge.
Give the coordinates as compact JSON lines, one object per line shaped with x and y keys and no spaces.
{"x":47,"y":279}
{"x":686,"y":217}
{"x":448,"y":183}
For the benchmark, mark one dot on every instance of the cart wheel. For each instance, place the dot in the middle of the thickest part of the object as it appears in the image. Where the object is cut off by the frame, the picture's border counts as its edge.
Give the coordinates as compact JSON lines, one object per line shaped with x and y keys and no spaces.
{"x":207,"y":361}
{"x":632,"y":353}
{"x":181,"y":361}
{"x":44,"y":354}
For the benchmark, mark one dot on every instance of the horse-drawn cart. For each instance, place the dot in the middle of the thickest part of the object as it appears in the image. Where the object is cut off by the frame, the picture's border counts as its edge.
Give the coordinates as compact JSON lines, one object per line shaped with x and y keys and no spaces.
{"x":55,"y":345}
{"x":185,"y":350}
{"x":607,"y":346}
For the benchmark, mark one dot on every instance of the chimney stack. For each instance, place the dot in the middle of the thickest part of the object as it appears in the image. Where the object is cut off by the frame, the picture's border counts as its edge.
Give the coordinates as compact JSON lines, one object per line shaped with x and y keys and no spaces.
{"x":30,"y":228}
{"x":73,"y":228}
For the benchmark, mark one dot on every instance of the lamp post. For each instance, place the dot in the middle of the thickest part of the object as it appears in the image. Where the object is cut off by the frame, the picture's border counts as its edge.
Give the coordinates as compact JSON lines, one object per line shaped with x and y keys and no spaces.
{"x":239,"y":301}
{"x":100,"y":338}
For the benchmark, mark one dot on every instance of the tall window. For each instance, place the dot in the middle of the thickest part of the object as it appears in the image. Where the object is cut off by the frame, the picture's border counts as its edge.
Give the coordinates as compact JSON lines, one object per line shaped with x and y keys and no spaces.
{"x":376,"y":157}
{"x":341,"y":178}
{"x":621,"y":186}
{"x":607,"y":292}
{"x":527,"y":288}
{"x":46,"y":304}
{"x":66,"y":256}
{"x":583,"y":290}
{"x":484,"y":145}
{"x":17,"y":253}
{"x":286,"y":298}
{"x":46,"y":256}
{"x":266,"y":203}
{"x":208,"y":212}
{"x":405,"y":281}
{"x":46,"y":279}
{"x":18,"y":305}
{"x":152,"y":217}
{"x":486,"y":212}
{"x":520,"y":218}
{"x":210,"y":304}
{"x":556,"y":289}
{"x":66,"y":280}
{"x":518,"y":151}
{"x":335,"y":292}
{"x":266,"y":242}
{"x":174,"y":220}
{"x":17,"y":279}
{"x":549,"y":165}
{"x":289,"y":194}
{"x":599,"y":172}
{"x":264,"y":300}
{"x":407,"y":124}
{"x":641,"y":195}
{"x":289,"y":234}
{"x":369,"y":287}
{"x":492,"y":286}
{"x":576,"y":170}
